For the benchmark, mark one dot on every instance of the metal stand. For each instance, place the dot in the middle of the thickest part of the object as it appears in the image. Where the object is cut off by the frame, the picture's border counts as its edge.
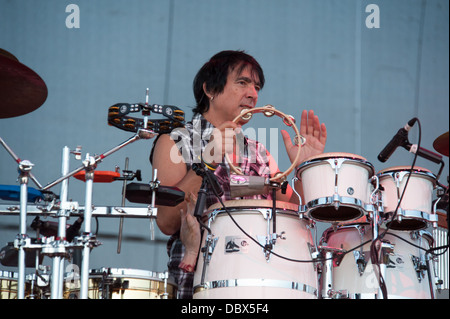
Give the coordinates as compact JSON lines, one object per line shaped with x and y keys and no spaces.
{"x":59,"y":258}
{"x":22,"y":238}
{"x":56,"y":249}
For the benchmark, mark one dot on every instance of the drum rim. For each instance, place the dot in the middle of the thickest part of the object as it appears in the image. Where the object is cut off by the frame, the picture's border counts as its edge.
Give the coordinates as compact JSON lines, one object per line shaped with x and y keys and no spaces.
{"x":127,"y":273}
{"x":334,"y":229}
{"x":254,"y":204}
{"x":416,"y":171}
{"x":328,"y":201}
{"x":336,"y":154}
{"x":316,"y":159}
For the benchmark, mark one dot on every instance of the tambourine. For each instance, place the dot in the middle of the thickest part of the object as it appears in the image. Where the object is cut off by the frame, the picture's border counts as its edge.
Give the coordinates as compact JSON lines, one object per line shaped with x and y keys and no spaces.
{"x":118,"y":117}
{"x":269,"y":110}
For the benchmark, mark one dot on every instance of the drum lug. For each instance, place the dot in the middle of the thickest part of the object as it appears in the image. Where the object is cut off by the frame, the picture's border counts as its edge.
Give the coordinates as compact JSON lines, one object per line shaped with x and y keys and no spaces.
{"x":419,"y":266}
{"x":361,"y":261}
{"x":208,"y":249}
{"x":336,"y":201}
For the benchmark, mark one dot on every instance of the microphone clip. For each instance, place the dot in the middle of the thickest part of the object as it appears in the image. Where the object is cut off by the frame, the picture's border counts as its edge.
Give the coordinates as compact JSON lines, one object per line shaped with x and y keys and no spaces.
{"x":208,"y":179}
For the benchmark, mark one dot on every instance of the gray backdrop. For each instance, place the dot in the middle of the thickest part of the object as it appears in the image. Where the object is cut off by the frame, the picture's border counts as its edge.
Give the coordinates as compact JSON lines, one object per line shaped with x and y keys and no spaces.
{"x":364,"y":83}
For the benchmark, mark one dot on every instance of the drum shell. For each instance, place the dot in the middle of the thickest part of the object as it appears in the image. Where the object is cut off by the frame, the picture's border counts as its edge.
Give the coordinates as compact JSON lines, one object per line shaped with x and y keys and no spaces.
{"x":266,"y":278}
{"x":416,"y":205}
{"x":321,"y":185}
{"x":400,"y":275}
{"x":9,"y":285}
{"x":124,"y":284}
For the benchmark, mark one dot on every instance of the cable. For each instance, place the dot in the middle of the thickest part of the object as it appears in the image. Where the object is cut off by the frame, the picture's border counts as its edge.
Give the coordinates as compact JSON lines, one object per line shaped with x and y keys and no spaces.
{"x":374,"y":251}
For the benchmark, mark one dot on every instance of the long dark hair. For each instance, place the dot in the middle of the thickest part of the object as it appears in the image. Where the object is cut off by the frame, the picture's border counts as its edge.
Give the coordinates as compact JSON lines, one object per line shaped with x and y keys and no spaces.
{"x":214,"y":74}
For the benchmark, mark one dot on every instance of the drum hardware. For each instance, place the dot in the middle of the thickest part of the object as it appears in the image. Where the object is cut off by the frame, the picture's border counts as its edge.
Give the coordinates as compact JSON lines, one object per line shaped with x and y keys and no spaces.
{"x":56,"y":248}
{"x":420,"y":266}
{"x":207,"y":250}
{"x":127,"y":176}
{"x":118,"y":117}
{"x":331,"y":258}
{"x":164,"y":277}
{"x":208,"y":178}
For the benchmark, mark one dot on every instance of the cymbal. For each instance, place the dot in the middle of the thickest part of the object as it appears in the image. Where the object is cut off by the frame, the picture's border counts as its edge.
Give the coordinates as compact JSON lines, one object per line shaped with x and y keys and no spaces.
{"x":21,"y":90}
{"x":441,"y":144}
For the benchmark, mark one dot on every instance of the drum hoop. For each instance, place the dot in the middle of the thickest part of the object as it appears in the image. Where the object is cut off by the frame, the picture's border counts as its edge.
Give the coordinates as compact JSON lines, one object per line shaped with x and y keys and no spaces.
{"x":126,"y":273}
{"x":8,"y":275}
{"x":334,"y":229}
{"x":336,"y":155}
{"x":255,"y":203}
{"x":416,"y":171}
{"x":327,"y":232}
{"x":255,"y":282}
{"x":317,"y":160}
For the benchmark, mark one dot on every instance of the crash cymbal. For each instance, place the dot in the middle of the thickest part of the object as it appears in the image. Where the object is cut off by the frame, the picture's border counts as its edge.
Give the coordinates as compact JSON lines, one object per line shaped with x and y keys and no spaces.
{"x":441,"y":144}
{"x":21,"y":89}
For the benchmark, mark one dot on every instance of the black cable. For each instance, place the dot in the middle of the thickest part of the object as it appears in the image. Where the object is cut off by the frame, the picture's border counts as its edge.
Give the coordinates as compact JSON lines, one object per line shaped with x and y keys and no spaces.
{"x":377,"y":241}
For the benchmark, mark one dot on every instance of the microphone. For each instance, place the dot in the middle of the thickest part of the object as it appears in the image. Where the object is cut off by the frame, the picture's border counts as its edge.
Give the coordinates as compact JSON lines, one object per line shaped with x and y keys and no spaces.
{"x":399,"y":139}
{"x":423,"y":152}
{"x":242,"y":185}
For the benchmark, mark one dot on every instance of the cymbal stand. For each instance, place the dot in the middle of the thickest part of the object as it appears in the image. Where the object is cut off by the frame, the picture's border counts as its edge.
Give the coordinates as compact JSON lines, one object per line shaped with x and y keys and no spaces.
{"x":60,"y":242}
{"x":127,"y":176}
{"x":18,"y":160}
{"x":22,"y":238}
{"x":87,"y":240}
{"x":141,"y":134}
{"x":124,"y":189}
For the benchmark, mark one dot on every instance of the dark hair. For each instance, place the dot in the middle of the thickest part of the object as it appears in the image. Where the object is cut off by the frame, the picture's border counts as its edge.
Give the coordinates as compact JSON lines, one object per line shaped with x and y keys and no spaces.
{"x":214,"y":74}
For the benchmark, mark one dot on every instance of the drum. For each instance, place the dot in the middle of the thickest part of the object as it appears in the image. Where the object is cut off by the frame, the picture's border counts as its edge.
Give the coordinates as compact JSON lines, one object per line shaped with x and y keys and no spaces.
{"x":9,"y":285}
{"x":237,"y":267}
{"x":122,"y":283}
{"x":408,"y":272}
{"x":415,"y":211}
{"x":336,"y":186}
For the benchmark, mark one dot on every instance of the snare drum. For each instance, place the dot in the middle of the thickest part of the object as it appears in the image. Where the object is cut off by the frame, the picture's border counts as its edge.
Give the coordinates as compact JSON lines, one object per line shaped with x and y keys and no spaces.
{"x":336,"y":186}
{"x":415,"y":211}
{"x":409,"y":272}
{"x":237,"y":267}
{"x":122,"y":283}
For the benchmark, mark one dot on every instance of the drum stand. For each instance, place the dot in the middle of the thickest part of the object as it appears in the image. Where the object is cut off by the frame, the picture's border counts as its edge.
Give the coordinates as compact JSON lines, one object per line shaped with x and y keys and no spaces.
{"x":22,"y":240}
{"x":86,"y":241}
{"x":57,"y":249}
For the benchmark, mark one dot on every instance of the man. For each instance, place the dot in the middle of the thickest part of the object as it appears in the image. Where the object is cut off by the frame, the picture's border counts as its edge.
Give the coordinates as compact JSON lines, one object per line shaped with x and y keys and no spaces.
{"x":227,"y":84}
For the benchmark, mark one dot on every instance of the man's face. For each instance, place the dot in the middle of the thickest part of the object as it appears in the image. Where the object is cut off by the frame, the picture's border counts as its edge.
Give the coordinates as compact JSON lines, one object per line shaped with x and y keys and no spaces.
{"x":240,"y":92}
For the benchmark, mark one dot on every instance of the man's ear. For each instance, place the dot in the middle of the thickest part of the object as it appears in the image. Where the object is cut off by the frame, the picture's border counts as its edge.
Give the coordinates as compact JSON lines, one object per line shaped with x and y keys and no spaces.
{"x":208,"y":94}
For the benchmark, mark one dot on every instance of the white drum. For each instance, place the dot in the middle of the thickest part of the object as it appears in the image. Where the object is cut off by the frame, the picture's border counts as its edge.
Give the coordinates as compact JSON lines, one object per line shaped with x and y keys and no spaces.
{"x":240,"y":268}
{"x":408,"y":273}
{"x":122,"y":283}
{"x":336,"y":186}
{"x":416,"y":209}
